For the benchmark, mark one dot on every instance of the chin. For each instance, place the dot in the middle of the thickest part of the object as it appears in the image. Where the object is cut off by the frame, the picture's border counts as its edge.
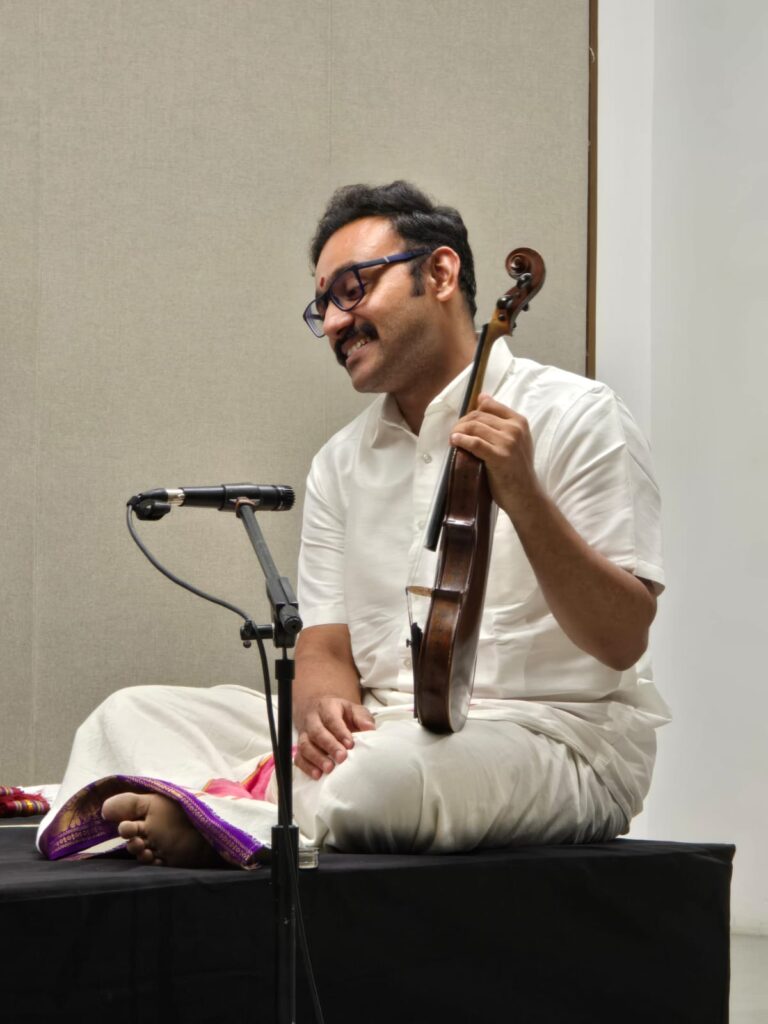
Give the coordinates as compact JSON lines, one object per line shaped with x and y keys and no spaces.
{"x":366,"y":387}
{"x":363,"y":378}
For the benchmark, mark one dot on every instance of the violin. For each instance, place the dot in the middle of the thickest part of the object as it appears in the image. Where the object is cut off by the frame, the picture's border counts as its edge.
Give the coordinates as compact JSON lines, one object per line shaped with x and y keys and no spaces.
{"x":460,"y":529}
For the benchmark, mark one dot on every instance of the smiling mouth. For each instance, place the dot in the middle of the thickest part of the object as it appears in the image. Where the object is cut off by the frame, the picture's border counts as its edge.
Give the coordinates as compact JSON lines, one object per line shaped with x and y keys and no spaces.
{"x":358,"y":345}
{"x":361,"y":336}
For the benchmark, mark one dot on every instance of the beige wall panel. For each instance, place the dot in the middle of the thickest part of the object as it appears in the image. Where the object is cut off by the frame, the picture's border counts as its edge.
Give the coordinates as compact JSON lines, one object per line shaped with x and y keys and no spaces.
{"x":486,"y":107}
{"x":17,"y":621}
{"x":174,"y":144}
{"x":18,"y":358}
{"x":173,"y":158}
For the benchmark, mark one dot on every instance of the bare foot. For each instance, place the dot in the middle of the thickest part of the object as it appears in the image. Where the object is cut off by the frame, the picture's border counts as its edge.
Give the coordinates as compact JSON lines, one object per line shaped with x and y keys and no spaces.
{"x":158,"y":831}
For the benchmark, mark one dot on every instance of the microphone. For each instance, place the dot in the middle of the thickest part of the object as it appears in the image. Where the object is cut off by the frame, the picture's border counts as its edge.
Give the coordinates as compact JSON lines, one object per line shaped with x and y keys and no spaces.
{"x":157,"y":503}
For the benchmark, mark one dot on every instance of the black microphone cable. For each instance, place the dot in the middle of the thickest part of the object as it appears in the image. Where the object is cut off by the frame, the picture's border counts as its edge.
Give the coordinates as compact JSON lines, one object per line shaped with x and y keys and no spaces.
{"x":281,"y":781}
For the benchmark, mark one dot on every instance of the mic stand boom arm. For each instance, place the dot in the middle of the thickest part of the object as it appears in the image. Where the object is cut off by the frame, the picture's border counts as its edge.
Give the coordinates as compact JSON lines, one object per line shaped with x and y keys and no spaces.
{"x":286,"y":625}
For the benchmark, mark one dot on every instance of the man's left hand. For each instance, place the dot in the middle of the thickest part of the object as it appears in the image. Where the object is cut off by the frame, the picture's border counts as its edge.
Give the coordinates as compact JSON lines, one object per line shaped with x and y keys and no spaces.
{"x":502,"y":439}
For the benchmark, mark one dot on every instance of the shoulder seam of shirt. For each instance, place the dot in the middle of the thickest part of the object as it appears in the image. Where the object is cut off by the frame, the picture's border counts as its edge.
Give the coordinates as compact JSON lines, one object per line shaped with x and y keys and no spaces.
{"x":595,"y":387}
{"x":629,"y":489}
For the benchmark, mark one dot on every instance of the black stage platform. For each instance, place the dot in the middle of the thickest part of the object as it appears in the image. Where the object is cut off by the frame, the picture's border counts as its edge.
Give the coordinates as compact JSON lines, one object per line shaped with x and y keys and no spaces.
{"x":631,"y":932}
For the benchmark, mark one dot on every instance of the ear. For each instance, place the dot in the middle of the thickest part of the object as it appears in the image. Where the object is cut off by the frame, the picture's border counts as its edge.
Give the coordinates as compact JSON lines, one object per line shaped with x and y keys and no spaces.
{"x":441,"y":272}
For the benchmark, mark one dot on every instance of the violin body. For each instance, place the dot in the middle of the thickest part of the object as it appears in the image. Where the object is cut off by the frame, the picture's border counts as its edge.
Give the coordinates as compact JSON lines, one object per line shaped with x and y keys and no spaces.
{"x":445,"y":649}
{"x":445,"y":665}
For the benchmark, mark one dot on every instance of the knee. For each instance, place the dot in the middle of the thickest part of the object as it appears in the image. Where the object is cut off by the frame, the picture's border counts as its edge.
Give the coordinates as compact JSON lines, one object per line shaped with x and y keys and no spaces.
{"x":377,"y":803}
{"x":122,"y":706}
{"x":127,"y":698}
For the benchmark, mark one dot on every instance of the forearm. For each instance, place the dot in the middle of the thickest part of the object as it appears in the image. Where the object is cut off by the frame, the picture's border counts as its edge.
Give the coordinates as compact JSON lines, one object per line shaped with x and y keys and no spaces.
{"x":328,"y":706}
{"x":602,"y":608}
{"x":324,"y":668}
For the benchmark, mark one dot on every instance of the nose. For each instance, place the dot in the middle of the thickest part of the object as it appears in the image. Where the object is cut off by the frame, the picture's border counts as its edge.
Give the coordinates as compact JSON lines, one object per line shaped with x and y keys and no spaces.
{"x":336,"y":321}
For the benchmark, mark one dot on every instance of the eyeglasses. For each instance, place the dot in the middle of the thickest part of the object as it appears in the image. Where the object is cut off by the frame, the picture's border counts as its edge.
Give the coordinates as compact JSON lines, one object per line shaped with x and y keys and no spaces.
{"x":347,"y":289}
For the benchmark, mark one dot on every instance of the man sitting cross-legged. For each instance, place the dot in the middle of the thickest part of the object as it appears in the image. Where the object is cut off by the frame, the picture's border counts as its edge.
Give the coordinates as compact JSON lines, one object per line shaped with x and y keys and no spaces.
{"x":559,"y":744}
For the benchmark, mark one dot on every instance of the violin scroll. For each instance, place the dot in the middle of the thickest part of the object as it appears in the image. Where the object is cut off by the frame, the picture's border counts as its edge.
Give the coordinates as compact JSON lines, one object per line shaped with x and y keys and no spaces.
{"x":527,"y":268}
{"x":525,"y":261}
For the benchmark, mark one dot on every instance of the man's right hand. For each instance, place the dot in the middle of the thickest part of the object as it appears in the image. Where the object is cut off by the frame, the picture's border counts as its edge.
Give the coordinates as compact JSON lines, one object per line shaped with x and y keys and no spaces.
{"x":325,"y":733}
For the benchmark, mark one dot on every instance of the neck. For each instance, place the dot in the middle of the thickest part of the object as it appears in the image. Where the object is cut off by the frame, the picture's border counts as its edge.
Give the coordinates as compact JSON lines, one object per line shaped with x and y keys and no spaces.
{"x":454,"y":358}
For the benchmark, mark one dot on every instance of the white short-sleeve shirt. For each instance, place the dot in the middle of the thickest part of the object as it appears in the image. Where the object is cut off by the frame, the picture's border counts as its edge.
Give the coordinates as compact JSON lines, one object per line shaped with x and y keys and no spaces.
{"x":368,"y":496}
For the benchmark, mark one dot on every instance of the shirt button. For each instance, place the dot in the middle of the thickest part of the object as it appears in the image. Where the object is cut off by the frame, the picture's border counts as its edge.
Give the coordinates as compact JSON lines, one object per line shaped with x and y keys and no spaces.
{"x":420,"y":524}
{"x":426,"y":457}
{"x":407,"y":662}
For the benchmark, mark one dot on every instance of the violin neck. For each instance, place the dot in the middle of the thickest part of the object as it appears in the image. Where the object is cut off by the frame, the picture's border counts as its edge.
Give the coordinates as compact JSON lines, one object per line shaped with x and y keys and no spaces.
{"x":437,"y":513}
{"x":474,"y":387}
{"x":477,"y":373}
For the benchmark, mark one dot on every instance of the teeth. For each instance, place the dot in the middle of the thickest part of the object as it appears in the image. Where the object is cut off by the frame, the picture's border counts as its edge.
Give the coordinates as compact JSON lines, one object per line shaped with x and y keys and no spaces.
{"x":357,"y":345}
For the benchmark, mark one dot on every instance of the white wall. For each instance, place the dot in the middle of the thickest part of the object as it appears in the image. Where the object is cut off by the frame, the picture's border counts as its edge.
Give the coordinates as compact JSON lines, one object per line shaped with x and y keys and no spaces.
{"x":625,"y":111}
{"x":698,"y":383}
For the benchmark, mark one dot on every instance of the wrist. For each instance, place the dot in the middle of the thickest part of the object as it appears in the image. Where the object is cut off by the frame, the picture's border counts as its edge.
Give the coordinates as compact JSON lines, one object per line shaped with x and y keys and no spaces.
{"x":528,"y":507}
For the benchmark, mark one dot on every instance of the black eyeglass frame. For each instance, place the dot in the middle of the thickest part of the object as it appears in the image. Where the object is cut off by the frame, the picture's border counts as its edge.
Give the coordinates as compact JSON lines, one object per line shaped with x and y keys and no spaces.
{"x":312,"y":313}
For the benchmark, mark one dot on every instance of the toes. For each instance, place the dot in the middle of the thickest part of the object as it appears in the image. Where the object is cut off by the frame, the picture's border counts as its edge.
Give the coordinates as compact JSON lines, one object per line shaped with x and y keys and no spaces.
{"x":132,"y":830}
{"x":157,"y":831}
{"x":125,"y":807}
{"x":141,"y":850}
{"x":129,"y":811}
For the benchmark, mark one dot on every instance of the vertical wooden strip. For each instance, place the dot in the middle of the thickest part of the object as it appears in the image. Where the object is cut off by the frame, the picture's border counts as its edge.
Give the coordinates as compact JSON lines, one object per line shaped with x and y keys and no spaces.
{"x":592,"y":192}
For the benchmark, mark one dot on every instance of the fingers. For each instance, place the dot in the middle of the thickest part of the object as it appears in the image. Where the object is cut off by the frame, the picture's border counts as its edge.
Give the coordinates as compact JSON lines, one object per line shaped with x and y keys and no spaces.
{"x":487,"y":436}
{"x":501,"y":438}
{"x":493,"y":414}
{"x":492,"y":428}
{"x":326,"y":736}
{"x":488,"y":405}
{"x":319,"y":750}
{"x":362,"y":719}
{"x":480,"y":439}
{"x":491,"y":409}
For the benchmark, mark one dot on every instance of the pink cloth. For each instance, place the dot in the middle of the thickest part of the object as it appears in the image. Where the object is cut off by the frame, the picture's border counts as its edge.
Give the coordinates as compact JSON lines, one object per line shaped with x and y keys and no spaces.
{"x":252,"y":788}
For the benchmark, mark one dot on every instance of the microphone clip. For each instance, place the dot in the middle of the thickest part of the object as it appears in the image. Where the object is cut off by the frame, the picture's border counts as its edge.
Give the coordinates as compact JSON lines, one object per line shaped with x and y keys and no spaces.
{"x":250,"y":631}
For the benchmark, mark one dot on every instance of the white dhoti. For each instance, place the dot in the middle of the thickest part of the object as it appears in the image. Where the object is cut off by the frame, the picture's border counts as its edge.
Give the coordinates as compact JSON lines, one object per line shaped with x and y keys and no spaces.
{"x":402,"y":789}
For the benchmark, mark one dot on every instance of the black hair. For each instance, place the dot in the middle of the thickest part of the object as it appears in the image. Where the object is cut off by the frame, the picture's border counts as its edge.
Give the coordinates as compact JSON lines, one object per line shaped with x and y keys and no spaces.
{"x":412,"y":214}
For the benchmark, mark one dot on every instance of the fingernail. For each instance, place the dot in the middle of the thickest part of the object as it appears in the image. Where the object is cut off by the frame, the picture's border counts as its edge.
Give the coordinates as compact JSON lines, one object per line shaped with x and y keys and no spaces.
{"x":348,"y":744}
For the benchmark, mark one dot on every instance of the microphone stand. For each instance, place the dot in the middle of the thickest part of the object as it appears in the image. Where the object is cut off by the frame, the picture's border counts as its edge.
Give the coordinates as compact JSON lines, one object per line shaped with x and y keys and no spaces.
{"x":286,"y":625}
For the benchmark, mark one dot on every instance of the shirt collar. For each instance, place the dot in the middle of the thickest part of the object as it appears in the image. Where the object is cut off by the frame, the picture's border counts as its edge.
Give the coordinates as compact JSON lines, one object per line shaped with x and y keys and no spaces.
{"x":497,"y":368}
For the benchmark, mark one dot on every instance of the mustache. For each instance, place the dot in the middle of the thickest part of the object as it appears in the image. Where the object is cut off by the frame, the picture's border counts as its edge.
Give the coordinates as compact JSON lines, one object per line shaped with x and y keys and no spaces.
{"x":364,"y":329}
